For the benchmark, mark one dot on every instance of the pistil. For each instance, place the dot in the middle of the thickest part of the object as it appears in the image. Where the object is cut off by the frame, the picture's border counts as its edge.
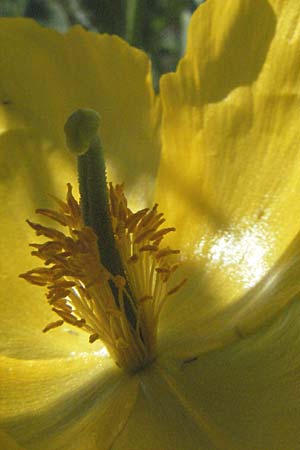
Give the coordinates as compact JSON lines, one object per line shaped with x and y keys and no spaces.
{"x":108,"y":272}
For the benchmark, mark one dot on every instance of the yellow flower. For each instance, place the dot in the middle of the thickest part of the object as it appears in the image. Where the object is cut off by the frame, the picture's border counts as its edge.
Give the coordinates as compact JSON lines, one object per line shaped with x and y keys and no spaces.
{"x":218,"y":150}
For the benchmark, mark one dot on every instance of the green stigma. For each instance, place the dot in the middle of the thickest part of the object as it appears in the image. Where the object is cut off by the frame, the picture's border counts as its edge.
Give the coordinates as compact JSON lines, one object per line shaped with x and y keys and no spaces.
{"x":80,"y":130}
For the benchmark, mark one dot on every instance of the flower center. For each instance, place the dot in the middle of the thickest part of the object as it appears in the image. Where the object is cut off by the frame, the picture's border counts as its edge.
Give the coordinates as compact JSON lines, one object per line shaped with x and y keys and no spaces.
{"x":109,"y":272}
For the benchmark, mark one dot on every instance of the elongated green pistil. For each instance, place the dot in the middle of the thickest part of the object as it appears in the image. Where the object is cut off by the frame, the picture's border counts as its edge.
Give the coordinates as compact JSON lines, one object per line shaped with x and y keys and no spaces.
{"x":82,"y":139}
{"x":95,"y":206}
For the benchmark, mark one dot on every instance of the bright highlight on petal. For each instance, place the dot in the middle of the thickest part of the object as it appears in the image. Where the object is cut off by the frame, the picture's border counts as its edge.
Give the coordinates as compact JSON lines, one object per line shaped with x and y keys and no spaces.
{"x":243,"y":256}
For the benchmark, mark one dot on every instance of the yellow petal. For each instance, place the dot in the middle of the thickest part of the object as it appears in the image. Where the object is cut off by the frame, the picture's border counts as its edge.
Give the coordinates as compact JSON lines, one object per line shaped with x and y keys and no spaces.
{"x":194,"y":322}
{"x":73,"y":403}
{"x":229,"y":176}
{"x":249,"y":392}
{"x":162,"y":420}
{"x":24,"y":308}
{"x":44,"y":77}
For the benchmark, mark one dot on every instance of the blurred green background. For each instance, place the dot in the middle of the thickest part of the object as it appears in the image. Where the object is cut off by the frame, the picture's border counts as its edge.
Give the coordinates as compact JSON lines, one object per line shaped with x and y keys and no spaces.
{"x":157,"y":26}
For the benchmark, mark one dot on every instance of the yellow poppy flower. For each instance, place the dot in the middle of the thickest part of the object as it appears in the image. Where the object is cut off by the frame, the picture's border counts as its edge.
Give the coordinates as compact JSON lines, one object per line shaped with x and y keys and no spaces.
{"x":218,"y":150}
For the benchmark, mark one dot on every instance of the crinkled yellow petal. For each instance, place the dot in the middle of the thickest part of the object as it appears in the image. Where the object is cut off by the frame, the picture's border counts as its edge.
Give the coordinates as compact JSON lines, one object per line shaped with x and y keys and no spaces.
{"x":229,"y":175}
{"x":44,"y":77}
{"x":248,"y":392}
{"x":74,"y":403}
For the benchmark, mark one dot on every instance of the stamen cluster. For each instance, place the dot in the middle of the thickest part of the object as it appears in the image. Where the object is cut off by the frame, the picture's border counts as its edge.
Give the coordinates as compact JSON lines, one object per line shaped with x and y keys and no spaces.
{"x":79,"y":287}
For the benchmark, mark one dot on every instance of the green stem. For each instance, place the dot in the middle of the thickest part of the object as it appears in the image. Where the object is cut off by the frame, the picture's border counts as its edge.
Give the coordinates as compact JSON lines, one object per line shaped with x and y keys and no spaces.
{"x":94,"y":204}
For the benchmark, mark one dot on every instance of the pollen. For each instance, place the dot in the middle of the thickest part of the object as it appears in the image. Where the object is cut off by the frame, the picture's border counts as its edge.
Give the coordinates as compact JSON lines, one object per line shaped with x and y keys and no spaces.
{"x":84,"y":294}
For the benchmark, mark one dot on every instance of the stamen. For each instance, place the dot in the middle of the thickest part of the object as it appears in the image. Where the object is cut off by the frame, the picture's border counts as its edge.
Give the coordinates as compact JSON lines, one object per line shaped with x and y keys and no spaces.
{"x":52,"y":325}
{"x":148,"y":248}
{"x":177,"y":287}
